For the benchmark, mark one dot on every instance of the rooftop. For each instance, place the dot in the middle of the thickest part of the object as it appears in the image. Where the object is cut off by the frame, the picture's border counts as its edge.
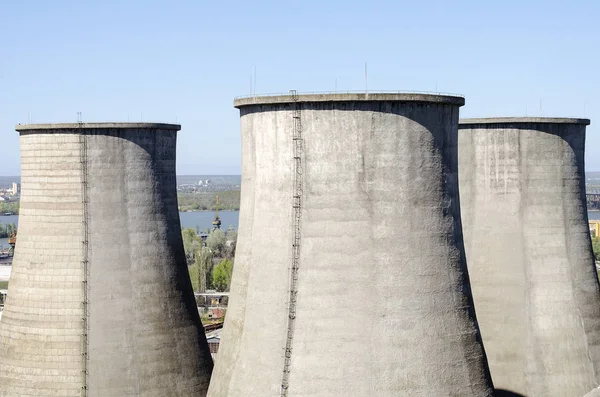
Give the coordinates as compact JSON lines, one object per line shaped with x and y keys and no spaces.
{"x":215,"y":334}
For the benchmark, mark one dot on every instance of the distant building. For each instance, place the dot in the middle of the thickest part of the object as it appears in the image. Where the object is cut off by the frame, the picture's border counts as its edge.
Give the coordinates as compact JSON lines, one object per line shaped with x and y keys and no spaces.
{"x":594,"y":228}
{"x":203,"y":236}
{"x":216,"y":313}
{"x":217,"y":222}
{"x":214,"y":340}
{"x":212,"y":298}
{"x":16,"y":189}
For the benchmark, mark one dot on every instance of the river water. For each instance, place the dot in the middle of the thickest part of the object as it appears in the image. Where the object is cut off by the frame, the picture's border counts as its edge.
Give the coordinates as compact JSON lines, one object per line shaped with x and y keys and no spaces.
{"x":594,"y":215}
{"x":201,"y":220}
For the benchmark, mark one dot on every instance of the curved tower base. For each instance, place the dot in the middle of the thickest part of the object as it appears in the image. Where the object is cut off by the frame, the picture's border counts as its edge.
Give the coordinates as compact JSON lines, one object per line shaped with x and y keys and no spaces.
{"x":522,"y":192}
{"x":100,"y":303}
{"x":350,"y":278}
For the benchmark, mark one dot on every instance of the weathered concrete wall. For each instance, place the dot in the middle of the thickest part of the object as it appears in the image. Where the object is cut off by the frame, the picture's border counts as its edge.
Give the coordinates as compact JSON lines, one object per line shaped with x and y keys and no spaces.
{"x":383,"y":306}
{"x":593,"y":393}
{"x":144,"y":333}
{"x":41,"y":329}
{"x":522,"y":192}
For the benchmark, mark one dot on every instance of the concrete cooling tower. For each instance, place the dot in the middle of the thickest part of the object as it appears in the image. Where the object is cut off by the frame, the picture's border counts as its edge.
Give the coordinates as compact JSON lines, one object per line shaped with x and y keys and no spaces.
{"x":350,"y":278}
{"x":522,"y":193}
{"x":100,"y":303}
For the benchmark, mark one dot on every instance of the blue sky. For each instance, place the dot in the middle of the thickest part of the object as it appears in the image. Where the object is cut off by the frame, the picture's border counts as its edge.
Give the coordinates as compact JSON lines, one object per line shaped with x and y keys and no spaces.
{"x":185,"y":61}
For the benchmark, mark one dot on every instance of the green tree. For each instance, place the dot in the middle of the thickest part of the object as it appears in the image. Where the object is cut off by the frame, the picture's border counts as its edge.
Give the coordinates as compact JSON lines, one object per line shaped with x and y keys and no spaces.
{"x":203,"y":260}
{"x":216,"y":242}
{"x":231,"y":241}
{"x":191,"y":242}
{"x":596,"y":247}
{"x":7,"y":229}
{"x":231,"y":234}
{"x":194,"y":201}
{"x":11,"y":208}
{"x":221,"y":275}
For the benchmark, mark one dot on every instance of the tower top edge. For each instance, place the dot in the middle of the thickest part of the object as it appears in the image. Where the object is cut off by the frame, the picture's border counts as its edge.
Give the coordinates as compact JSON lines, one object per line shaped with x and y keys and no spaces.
{"x":523,"y":120}
{"x":109,"y":125}
{"x":449,"y":99}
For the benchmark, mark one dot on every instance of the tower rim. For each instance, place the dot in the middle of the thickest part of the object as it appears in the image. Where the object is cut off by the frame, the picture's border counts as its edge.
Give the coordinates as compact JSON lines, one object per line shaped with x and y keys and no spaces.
{"x":376,"y":96}
{"x":523,"y":120}
{"x":103,"y":125}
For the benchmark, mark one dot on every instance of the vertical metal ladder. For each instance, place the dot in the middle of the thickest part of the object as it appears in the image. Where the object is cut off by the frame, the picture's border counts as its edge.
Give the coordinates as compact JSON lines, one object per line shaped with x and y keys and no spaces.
{"x":83,"y":154}
{"x":298,"y":147}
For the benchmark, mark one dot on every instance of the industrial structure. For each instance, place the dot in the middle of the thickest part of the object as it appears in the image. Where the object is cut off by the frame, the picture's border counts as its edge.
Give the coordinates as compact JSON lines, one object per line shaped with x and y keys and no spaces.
{"x":100,"y":302}
{"x":594,"y":225}
{"x":217,"y":222}
{"x":522,"y":193}
{"x":12,"y":240}
{"x":350,"y":277}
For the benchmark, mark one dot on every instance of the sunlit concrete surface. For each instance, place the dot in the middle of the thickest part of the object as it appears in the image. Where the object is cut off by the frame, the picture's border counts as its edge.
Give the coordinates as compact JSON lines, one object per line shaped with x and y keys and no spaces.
{"x":100,"y":302}
{"x":522,"y":193}
{"x":350,"y":278}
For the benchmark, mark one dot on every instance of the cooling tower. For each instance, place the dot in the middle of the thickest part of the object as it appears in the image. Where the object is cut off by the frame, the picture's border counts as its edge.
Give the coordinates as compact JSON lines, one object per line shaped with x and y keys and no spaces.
{"x":100,"y":303}
{"x":522,"y":193}
{"x":350,"y":278}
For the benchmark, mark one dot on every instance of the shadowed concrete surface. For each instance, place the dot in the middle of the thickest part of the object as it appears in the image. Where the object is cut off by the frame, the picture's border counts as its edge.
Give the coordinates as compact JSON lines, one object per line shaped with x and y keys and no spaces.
{"x":534,"y":282}
{"x":350,"y":278}
{"x":593,"y":393}
{"x":506,"y":393}
{"x":100,"y":303}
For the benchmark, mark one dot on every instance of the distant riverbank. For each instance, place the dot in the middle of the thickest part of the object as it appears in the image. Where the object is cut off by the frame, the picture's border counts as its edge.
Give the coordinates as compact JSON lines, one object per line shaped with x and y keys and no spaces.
{"x":211,"y":211}
{"x":203,"y":219}
{"x":192,"y":219}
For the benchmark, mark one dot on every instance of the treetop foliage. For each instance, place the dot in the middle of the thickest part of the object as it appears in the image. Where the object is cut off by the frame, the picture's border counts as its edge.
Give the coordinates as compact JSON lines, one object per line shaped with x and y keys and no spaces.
{"x":9,"y":208}
{"x":221,"y":275}
{"x":206,"y":201}
{"x":202,"y":257}
{"x":6,"y":230}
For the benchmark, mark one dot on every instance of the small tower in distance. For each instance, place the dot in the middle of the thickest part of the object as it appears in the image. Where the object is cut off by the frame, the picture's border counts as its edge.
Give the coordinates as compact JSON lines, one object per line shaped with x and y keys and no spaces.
{"x":217,"y":222}
{"x":12,"y":241}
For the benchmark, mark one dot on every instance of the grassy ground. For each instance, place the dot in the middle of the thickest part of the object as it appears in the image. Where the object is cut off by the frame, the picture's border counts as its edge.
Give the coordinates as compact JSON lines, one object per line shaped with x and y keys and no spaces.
{"x":3,"y":284}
